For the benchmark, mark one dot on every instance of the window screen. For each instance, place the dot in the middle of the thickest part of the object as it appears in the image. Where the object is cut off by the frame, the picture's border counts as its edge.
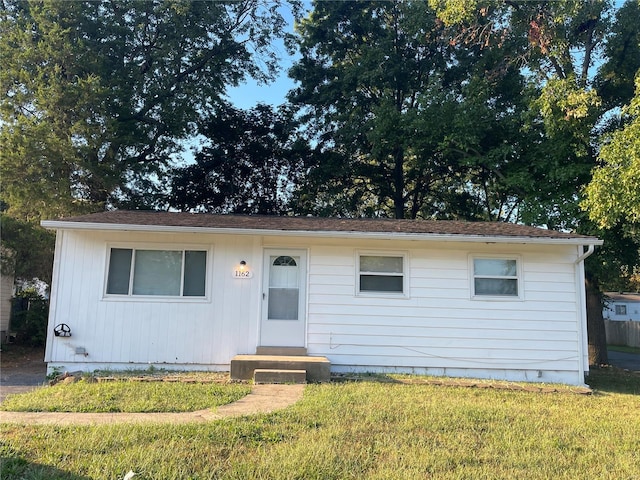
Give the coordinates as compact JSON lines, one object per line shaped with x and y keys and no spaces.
{"x":380,"y":273}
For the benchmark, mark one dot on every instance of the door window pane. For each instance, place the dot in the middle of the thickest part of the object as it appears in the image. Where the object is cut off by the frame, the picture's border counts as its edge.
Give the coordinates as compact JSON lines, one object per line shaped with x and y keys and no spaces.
{"x":283,"y":288}
{"x":285,"y":260}
{"x":283,"y":303}
{"x":283,"y":275}
{"x":119,"y":271}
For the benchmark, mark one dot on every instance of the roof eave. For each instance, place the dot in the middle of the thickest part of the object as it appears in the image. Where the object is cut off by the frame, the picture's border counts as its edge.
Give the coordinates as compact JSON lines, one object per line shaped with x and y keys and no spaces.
{"x":66,"y":225}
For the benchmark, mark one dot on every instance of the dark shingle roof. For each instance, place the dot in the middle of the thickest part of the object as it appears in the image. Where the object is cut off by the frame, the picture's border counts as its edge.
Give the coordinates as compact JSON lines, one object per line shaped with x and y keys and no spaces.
{"x":623,"y":296}
{"x":314,"y":224}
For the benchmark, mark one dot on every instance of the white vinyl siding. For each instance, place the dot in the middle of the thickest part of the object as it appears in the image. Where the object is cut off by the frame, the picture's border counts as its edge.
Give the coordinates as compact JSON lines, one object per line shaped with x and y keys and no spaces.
{"x":147,"y":272}
{"x":435,"y":327}
{"x":124,"y":332}
{"x":439,"y":328}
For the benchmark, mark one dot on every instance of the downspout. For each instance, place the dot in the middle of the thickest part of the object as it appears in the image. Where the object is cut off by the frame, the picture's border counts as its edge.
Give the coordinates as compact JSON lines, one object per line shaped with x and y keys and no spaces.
{"x":582,"y":309}
{"x":590,"y":249}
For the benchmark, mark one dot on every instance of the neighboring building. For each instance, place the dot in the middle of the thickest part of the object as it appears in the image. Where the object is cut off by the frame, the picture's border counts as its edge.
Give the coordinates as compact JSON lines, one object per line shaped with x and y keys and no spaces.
{"x":6,"y":291}
{"x":622,"y":306}
{"x":191,"y":291}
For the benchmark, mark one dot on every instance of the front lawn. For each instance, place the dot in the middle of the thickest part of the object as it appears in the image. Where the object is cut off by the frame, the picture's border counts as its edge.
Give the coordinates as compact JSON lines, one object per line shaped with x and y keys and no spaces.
{"x":122,"y":395}
{"x":354,"y":430}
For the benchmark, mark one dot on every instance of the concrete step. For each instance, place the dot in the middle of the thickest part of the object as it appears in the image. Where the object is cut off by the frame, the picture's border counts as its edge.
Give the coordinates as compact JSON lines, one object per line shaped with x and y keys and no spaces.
{"x":318,"y":368}
{"x":274,"y":375}
{"x":285,"y":351}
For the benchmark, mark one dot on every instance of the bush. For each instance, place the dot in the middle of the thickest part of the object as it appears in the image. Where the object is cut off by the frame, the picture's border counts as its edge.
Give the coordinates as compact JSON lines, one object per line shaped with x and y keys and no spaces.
{"x":29,"y":315}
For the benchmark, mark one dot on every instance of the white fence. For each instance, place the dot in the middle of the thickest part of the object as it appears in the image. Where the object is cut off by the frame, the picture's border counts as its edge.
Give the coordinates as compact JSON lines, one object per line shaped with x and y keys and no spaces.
{"x":623,"y":333}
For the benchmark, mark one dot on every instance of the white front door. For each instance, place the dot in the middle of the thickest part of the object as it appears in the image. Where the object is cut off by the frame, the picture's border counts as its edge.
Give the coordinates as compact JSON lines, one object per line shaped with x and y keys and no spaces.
{"x":283,"y":322}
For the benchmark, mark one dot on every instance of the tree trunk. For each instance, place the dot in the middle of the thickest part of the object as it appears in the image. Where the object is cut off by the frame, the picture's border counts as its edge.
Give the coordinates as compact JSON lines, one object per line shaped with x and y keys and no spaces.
{"x":596,"y":334}
{"x":398,"y":183}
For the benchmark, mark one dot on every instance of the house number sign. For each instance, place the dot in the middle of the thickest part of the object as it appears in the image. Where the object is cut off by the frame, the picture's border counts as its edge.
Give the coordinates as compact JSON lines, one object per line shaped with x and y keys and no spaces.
{"x":242,"y":273}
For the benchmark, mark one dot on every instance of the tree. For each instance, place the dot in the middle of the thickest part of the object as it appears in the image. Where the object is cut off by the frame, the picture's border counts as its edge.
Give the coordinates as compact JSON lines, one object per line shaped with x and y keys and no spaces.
{"x":614,"y":79}
{"x":613,"y":195}
{"x":27,"y":250}
{"x":250,"y":164}
{"x":376,"y":81}
{"x":100,"y":94}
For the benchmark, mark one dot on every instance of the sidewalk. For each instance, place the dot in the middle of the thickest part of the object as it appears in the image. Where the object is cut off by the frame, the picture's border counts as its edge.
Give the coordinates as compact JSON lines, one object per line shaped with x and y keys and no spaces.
{"x":262,"y":399}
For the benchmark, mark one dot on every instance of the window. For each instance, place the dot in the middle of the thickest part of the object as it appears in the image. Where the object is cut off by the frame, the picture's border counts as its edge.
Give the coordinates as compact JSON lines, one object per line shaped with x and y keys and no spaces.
{"x":381,"y":274}
{"x":169,"y":273}
{"x":621,"y":309}
{"x":496,"y":277}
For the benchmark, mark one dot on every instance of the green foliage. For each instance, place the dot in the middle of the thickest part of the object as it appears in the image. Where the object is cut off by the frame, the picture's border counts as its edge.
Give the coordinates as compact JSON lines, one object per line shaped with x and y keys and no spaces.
{"x":613,"y":195}
{"x":27,"y":249}
{"x":615,"y":78}
{"x":365,"y":430}
{"x":29,"y":316}
{"x":454,"y":12}
{"x":376,"y":81}
{"x":100,"y":94}
{"x":250,"y":162}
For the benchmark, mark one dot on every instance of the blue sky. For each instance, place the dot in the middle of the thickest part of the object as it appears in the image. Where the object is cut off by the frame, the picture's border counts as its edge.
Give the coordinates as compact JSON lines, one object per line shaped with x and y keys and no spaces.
{"x":251,"y":93}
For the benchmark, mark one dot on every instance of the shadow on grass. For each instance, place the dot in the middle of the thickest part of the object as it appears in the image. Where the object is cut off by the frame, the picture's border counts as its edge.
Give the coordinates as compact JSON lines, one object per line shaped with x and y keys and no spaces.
{"x":16,"y":468}
{"x":613,"y":380}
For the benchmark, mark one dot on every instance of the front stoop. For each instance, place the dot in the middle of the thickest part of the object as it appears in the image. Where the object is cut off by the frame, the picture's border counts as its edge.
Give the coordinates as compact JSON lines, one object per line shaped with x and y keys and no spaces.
{"x":273,"y":375}
{"x":282,"y":351}
{"x":318,"y":368}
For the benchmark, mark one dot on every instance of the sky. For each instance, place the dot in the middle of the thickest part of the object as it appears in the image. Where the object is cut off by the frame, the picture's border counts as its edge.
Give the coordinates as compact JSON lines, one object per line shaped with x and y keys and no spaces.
{"x":250,"y":93}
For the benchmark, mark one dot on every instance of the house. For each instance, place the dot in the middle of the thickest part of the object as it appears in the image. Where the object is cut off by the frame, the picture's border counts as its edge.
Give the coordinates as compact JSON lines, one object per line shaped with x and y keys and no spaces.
{"x":133,"y":289}
{"x":6,"y":291}
{"x":622,"y":306}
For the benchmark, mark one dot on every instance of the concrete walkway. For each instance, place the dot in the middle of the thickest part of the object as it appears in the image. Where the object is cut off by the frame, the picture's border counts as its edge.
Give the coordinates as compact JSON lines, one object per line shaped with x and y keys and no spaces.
{"x":262,"y":399}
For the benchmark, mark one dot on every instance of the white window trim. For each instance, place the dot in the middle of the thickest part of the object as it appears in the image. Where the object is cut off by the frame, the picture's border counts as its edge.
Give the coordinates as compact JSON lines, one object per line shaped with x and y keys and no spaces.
{"x":383,"y":253}
{"x":158,"y":298}
{"x":498,"y":298}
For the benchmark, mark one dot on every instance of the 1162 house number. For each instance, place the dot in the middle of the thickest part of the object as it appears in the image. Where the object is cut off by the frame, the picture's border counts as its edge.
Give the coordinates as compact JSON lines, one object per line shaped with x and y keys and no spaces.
{"x":242,"y":274}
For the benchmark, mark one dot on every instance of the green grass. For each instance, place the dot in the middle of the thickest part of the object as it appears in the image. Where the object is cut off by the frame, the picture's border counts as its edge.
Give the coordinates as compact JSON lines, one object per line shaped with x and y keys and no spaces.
{"x":126,"y":396}
{"x":624,"y":349}
{"x":354,"y":430}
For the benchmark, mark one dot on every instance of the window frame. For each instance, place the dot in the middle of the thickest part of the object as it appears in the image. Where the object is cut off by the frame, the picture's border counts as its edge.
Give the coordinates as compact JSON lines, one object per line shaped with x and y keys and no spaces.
{"x":180,"y":247}
{"x":495,"y":297}
{"x":383,"y":253}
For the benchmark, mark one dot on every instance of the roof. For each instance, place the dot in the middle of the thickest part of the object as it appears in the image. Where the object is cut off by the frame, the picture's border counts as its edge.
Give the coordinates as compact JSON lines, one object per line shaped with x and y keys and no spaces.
{"x":144,"y":220}
{"x":623,"y":297}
